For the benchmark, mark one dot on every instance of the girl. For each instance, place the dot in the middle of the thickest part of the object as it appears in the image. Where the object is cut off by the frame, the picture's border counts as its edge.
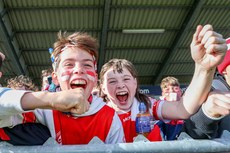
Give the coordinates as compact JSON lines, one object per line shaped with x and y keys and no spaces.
{"x":119,"y":85}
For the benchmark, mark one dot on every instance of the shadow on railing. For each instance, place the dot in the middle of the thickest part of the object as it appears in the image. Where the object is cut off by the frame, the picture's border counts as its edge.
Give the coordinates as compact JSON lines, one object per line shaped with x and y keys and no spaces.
{"x":184,"y":144}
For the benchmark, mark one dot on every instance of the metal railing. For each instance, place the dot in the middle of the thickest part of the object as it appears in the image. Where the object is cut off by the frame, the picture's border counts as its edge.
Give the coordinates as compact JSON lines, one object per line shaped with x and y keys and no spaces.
{"x":184,"y":145}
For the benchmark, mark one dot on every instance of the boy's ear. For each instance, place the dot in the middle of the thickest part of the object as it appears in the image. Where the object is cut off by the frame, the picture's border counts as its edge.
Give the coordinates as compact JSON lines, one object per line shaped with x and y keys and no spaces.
{"x":0,"y":74}
{"x":55,"y":79}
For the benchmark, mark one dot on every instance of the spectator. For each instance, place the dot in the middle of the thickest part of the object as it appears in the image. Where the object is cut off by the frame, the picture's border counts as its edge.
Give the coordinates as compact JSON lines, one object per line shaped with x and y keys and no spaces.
{"x":120,"y":86}
{"x":213,"y":117}
{"x":46,"y":79}
{"x":75,"y":59}
{"x":170,"y":88}
{"x":125,"y":100}
{"x":171,"y":91}
{"x":32,"y":133}
{"x":22,"y":82}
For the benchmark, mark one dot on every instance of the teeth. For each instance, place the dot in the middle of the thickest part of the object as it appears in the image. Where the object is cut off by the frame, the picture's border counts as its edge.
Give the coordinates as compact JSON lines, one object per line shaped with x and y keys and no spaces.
{"x":78,"y":82}
{"x":122,"y":93}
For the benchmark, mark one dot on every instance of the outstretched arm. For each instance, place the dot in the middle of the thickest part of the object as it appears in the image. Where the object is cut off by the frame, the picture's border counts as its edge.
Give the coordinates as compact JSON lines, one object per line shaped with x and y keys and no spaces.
{"x":14,"y":101}
{"x":208,"y":49}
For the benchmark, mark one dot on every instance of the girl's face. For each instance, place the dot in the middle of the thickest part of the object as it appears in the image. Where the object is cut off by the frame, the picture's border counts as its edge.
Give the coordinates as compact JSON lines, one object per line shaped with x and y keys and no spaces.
{"x":76,"y":70}
{"x":120,"y":88}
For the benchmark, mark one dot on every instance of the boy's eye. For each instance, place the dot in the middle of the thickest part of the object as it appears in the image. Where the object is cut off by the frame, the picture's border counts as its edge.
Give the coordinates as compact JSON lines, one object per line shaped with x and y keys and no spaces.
{"x":88,"y":65}
{"x":68,"y":65}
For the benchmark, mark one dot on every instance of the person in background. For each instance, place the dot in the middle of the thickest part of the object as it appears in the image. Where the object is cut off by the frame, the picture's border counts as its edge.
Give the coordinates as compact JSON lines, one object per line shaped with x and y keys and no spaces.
{"x":74,"y":65}
{"x":47,"y":82}
{"x":22,"y":82}
{"x":46,"y":76}
{"x":171,"y":91}
{"x":34,"y":133}
{"x":213,"y":117}
{"x":120,"y":89}
{"x":2,"y":58}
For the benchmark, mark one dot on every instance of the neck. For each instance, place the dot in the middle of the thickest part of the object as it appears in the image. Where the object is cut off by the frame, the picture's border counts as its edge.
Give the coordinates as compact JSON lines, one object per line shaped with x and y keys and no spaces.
{"x":117,"y":109}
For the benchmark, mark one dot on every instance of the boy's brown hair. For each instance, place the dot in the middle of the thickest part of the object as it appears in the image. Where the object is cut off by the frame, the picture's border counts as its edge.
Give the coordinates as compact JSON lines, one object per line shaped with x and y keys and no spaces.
{"x":78,"y":39}
{"x":169,"y":81}
{"x":20,"y":81}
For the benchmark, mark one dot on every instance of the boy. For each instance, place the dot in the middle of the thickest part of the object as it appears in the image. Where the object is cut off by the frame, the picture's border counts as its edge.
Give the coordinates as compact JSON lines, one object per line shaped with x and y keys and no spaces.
{"x":30,"y":133}
{"x":74,"y":64}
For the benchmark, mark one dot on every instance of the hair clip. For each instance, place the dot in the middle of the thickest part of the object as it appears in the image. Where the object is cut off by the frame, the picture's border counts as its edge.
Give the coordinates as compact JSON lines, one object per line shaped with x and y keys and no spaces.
{"x":51,"y":55}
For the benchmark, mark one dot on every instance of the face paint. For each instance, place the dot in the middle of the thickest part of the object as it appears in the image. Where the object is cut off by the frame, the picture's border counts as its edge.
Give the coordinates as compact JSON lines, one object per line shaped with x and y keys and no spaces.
{"x":172,"y":96}
{"x":65,"y":75}
{"x":91,"y":75}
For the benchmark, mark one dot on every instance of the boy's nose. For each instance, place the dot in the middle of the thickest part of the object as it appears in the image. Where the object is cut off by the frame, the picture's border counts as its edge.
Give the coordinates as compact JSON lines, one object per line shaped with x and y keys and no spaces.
{"x":78,"y":70}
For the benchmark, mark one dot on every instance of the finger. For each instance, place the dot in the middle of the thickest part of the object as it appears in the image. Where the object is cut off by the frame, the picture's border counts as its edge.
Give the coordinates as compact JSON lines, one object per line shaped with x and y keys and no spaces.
{"x":220,"y":111}
{"x":77,"y":110}
{"x":206,"y":28}
{"x":211,"y":35}
{"x":214,"y":40}
{"x":217,"y":48}
{"x":87,"y":106}
{"x":195,"y":35}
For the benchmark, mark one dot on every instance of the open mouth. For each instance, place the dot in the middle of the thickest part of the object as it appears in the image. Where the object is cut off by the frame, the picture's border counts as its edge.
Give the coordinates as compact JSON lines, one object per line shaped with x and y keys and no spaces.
{"x":78,"y":84}
{"x":122,"y":96}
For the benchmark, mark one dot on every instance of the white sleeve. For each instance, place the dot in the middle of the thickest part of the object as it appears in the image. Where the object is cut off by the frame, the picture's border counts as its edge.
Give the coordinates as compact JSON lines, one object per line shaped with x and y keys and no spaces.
{"x":10,"y":107}
{"x":10,"y":101}
{"x":116,"y":132}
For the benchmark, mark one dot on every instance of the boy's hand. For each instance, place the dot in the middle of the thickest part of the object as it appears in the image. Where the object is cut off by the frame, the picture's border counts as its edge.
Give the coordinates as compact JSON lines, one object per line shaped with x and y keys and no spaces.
{"x":73,"y":101}
{"x":208,"y":48}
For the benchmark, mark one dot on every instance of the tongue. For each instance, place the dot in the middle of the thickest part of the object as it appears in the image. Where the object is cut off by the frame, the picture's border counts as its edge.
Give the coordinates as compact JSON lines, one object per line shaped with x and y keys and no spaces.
{"x":122,"y":98}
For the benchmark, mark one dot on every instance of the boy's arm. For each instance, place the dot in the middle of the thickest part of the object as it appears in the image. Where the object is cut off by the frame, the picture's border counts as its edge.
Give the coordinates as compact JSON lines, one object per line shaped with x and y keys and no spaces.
{"x":15,"y":101}
{"x":208,"y":49}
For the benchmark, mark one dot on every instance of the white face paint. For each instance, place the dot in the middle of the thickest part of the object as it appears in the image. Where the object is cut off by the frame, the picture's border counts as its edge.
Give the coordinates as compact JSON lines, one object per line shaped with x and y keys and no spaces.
{"x":91,"y":75}
{"x":172,"y":96}
{"x":76,"y":70}
{"x":65,"y":76}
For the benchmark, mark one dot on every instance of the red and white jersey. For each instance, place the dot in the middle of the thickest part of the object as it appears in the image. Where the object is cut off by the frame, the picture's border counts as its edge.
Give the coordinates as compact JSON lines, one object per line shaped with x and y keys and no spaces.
{"x":128,"y":121}
{"x":100,"y":121}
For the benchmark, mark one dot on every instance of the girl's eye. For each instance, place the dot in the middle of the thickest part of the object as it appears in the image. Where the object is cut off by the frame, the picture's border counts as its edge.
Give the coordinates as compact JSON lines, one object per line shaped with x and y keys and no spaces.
{"x":126,"y":79}
{"x":112,"y":82}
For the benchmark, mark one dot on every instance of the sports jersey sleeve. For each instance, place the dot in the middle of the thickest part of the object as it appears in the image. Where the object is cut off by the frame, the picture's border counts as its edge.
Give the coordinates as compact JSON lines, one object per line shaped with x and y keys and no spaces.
{"x":156,"y":110}
{"x":116,"y":132}
{"x":10,"y":101}
{"x":10,"y":107}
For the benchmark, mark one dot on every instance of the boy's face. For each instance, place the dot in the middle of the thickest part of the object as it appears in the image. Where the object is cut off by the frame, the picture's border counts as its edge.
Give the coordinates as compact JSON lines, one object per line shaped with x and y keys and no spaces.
{"x":76,"y":70}
{"x":120,"y":88}
{"x":171,"y":93}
